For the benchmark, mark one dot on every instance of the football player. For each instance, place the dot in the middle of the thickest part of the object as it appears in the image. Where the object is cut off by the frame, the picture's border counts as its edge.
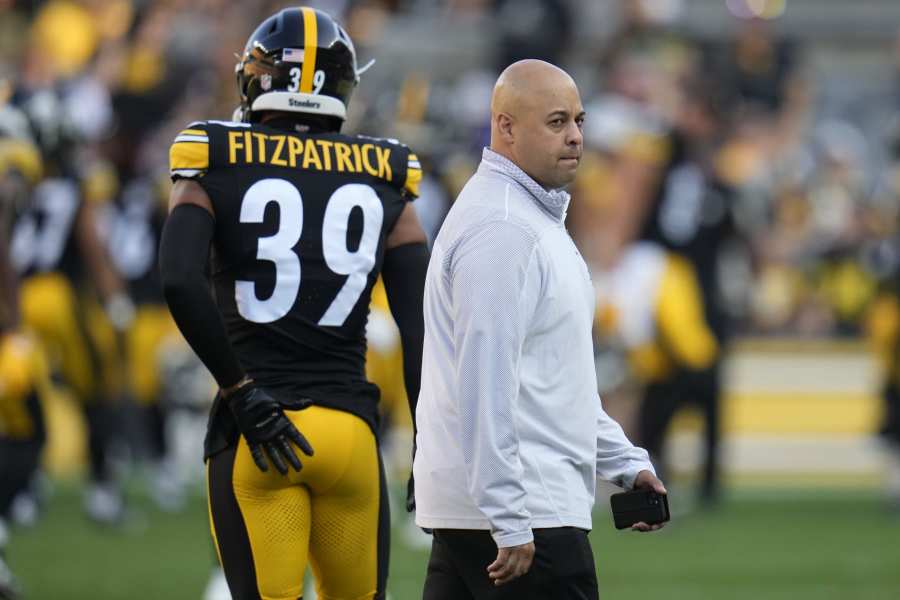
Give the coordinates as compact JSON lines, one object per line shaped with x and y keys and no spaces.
{"x":66,"y":276}
{"x":135,"y":221}
{"x":22,"y":370}
{"x":294,"y":222}
{"x":690,"y":214}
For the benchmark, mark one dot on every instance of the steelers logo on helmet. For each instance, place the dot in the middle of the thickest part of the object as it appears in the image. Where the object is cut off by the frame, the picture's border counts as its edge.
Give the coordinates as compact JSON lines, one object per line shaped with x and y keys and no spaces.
{"x":298,"y":60}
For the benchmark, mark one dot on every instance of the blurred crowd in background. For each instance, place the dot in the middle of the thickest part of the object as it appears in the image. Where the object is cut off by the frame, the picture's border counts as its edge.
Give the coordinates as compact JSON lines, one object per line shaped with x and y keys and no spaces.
{"x":801,"y":155}
{"x":741,"y":174}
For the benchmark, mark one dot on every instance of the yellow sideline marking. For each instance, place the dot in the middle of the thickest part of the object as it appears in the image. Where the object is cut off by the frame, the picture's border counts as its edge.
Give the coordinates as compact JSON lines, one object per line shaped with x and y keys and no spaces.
{"x":786,"y":413}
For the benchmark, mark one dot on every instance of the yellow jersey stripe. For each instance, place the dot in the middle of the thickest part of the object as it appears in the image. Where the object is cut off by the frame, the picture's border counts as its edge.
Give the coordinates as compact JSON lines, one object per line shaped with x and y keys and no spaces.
{"x":189,"y":155}
{"x":413,"y":175}
{"x":192,"y":132}
{"x":310,"y":45}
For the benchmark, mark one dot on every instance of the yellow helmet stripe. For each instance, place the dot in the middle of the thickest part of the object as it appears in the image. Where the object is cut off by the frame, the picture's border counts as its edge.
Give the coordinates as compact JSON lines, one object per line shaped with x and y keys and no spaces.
{"x":310,"y":44}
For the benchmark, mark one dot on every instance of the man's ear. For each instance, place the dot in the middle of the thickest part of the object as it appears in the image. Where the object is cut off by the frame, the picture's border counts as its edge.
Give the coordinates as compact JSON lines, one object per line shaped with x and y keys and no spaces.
{"x":504,"y":126}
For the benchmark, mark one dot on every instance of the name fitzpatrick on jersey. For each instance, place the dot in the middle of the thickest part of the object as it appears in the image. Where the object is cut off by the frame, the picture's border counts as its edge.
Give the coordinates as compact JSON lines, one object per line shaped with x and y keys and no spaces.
{"x":253,"y":147}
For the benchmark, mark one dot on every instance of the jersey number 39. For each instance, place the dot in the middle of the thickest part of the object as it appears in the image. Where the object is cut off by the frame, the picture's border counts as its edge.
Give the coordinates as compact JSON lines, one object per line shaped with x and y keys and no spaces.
{"x":278,"y":248}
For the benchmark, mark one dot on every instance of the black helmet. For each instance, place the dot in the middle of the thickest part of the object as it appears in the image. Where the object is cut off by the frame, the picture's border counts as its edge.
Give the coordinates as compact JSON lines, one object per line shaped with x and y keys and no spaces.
{"x":298,"y":60}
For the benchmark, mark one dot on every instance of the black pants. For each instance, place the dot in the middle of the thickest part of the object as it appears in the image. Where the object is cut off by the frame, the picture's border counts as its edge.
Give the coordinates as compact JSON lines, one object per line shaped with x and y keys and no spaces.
{"x":20,"y":458}
{"x":890,"y":427}
{"x":659,"y":405}
{"x":563,"y":567}
{"x":103,"y":425}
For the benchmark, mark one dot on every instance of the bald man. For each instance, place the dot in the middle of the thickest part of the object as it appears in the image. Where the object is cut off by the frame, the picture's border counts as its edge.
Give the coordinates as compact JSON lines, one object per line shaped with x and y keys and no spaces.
{"x":511,"y":432}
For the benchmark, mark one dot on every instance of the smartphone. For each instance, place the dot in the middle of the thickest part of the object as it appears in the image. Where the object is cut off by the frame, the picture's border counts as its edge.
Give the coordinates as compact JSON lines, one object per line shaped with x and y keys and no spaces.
{"x":636,"y":506}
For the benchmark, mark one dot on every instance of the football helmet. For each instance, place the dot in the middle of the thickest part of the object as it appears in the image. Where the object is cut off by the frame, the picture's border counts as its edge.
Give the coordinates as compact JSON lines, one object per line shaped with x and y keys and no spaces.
{"x":298,"y":60}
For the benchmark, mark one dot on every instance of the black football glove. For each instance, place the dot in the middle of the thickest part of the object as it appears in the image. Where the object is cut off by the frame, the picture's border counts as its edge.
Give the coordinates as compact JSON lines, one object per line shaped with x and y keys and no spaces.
{"x":266,"y":428}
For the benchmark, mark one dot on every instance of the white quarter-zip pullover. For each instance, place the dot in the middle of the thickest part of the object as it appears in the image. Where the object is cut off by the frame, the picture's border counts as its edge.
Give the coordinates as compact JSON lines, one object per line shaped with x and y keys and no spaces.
{"x":511,"y":431}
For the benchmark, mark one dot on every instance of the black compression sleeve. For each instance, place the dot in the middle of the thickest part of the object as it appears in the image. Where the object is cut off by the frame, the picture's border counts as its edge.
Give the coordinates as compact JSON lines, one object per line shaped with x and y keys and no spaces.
{"x":404,"y":281}
{"x":183,"y":254}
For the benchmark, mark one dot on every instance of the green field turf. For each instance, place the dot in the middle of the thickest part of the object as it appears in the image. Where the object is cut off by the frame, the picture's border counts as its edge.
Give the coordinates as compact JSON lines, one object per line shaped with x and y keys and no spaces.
{"x":834,"y":545}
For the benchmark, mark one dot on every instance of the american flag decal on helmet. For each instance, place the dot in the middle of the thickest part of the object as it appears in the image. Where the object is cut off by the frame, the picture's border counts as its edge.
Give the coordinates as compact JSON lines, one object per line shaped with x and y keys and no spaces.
{"x":294,"y":55}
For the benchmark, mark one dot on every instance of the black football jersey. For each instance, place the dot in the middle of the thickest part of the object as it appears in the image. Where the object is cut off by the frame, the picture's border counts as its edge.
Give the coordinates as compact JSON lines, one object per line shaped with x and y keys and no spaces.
{"x":691,"y":214}
{"x":135,"y":226}
{"x":43,"y":237}
{"x":301,"y":223}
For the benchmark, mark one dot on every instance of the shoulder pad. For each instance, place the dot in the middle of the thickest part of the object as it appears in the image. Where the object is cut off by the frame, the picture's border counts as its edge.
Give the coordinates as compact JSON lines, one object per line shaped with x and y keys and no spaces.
{"x":411,"y":162}
{"x":396,"y":163}
{"x":189,"y":154}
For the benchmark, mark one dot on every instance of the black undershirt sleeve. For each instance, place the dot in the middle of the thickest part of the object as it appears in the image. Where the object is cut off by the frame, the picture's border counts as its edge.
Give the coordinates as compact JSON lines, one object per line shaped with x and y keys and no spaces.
{"x":404,"y":281}
{"x":183,"y":255}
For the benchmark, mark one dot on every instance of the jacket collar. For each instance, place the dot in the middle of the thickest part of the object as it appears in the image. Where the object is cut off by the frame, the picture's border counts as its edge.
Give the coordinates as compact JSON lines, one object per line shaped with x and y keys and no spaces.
{"x":555,"y":202}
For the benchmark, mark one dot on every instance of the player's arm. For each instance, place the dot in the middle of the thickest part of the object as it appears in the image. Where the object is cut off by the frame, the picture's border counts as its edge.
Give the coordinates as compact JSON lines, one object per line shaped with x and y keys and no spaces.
{"x":403,"y":272}
{"x":98,"y":186}
{"x":119,"y":307}
{"x":183,"y":256}
{"x":405,"y":264}
{"x":9,"y":310}
{"x":20,"y":169}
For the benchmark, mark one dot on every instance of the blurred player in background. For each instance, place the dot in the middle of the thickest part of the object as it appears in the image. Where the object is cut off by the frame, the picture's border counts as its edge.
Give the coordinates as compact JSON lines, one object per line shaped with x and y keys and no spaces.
{"x":649,"y":326}
{"x":134,"y":225}
{"x":301,"y":220}
{"x":72,"y":298}
{"x":690,"y":215}
{"x":883,"y":328}
{"x":23,"y":375}
{"x":649,"y":224}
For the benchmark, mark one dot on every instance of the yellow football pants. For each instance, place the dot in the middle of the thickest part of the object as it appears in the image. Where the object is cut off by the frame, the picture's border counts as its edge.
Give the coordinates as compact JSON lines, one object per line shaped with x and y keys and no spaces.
{"x":23,"y":378}
{"x":332,"y":514}
{"x":152,"y":326}
{"x":77,"y":337}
